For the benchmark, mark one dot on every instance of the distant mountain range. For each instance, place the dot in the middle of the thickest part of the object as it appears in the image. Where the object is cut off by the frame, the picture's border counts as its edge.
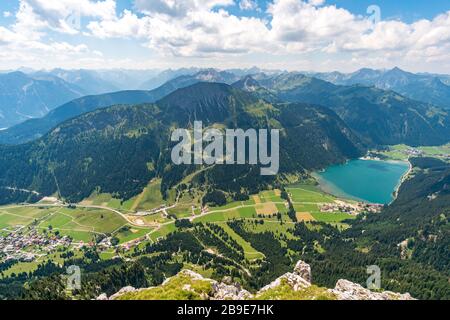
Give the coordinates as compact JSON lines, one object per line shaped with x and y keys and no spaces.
{"x":35,"y":128}
{"x":29,"y":94}
{"x":23,"y":97}
{"x":430,"y":88}
{"x":208,"y":75}
{"x":32,"y":94}
{"x":380,"y":117}
{"x":100,"y":81}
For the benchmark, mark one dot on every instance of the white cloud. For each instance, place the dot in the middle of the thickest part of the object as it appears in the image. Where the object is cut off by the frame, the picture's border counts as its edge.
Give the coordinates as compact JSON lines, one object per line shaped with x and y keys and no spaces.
{"x":7,"y":14}
{"x":6,"y":36}
{"x":194,"y":28}
{"x":248,"y":5}
{"x":128,"y":25}
{"x":316,"y":2}
{"x":177,"y":8}
{"x":65,"y":15}
{"x":27,"y":39}
{"x":197,"y":30}
{"x":297,"y":23}
{"x":291,"y":30}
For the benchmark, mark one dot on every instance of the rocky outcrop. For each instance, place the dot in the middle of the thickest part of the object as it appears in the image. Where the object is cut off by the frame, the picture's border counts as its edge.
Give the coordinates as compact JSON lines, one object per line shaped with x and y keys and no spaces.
{"x":298,"y":280}
{"x":301,"y":278}
{"x":219,"y":290}
{"x":346,"y":290}
{"x":303,"y":270}
{"x":222,"y":291}
{"x":118,"y":294}
{"x":102,"y":297}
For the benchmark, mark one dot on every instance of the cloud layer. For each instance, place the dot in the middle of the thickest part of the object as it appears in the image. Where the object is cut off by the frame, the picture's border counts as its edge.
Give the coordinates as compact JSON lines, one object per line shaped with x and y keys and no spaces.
{"x":208,"y":29}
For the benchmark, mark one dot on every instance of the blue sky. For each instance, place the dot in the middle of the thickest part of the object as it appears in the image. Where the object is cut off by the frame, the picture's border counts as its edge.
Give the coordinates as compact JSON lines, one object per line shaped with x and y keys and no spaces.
{"x":406,"y":10}
{"x":320,"y":35}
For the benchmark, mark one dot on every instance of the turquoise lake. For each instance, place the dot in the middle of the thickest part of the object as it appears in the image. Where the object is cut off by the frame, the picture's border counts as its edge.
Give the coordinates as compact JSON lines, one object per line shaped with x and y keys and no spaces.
{"x":368,"y":180}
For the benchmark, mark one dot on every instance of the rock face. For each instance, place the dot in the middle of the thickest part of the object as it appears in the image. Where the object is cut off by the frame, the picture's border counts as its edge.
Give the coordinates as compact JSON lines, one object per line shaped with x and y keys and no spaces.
{"x":222,"y":291}
{"x":103,"y":296}
{"x":298,"y":280}
{"x":346,"y":290}
{"x":118,"y":294}
{"x":303,"y":270}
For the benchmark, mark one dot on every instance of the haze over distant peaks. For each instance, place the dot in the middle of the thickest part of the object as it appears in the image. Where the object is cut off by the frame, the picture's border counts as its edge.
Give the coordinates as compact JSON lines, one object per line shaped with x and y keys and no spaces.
{"x":428,"y":88}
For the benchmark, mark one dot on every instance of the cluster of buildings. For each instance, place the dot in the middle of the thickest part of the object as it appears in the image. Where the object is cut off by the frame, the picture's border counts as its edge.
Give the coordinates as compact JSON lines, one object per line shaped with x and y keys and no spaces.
{"x":127,"y":246}
{"x":105,"y":243}
{"x":150,"y":212}
{"x":16,"y":245}
{"x":414,"y":152}
{"x":351,"y":208}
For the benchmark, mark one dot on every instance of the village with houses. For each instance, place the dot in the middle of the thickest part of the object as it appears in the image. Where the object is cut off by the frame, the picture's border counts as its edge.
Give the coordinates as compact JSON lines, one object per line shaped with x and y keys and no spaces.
{"x":18,"y":245}
{"x":353,"y":209}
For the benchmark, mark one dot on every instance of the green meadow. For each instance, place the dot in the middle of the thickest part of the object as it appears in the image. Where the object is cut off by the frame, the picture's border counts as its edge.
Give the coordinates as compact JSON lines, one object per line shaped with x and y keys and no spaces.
{"x":249,"y":251}
{"x":81,"y":224}
{"x":308,"y":194}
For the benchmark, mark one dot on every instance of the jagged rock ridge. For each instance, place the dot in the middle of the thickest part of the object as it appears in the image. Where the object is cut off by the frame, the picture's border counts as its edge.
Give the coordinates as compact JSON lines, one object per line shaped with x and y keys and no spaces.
{"x":299,"y":281}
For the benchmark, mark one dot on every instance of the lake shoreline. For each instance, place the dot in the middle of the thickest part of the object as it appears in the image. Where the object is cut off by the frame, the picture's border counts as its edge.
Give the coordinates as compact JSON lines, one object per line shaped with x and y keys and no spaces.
{"x":328,"y":187}
{"x":368,"y":180}
{"x":402,"y":180}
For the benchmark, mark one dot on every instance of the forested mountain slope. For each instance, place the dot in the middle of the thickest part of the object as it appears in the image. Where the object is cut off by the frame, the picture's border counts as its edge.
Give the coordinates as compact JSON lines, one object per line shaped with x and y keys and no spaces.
{"x":119,"y":149}
{"x":380,"y":117}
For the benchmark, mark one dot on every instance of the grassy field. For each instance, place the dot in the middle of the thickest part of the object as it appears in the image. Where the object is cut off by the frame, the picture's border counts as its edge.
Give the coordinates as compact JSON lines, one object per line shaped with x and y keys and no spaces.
{"x":157,"y":218}
{"x":80,"y":223}
{"x":308,"y":194}
{"x":32,"y":266}
{"x":89,"y":220}
{"x":249,"y":251}
{"x":14,"y":217}
{"x":436,"y":151}
{"x":332,"y":217}
{"x":103,"y":199}
{"x":149,"y":199}
{"x":227,"y":214}
{"x":400,"y":152}
{"x":163,"y":231}
{"x":271,"y":226}
{"x":131,"y":233}
{"x":307,"y":198}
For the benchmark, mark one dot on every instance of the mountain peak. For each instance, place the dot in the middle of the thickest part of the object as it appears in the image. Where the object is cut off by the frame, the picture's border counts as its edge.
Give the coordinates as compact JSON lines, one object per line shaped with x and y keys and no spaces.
{"x":213,"y":75}
{"x":247,"y":83}
{"x":398,"y":71}
{"x":17,"y":74}
{"x":204,"y":101}
{"x":200,"y":91}
{"x":365,"y":73}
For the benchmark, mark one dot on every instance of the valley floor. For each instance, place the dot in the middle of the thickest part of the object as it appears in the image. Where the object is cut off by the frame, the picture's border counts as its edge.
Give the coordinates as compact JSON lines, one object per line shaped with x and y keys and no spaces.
{"x":40,"y":232}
